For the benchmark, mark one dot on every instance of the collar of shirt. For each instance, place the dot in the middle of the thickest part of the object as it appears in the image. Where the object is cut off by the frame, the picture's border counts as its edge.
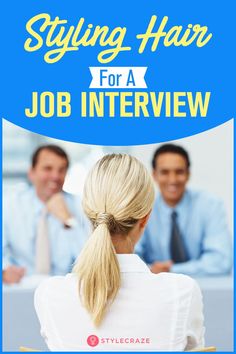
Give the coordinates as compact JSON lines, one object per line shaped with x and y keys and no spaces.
{"x":37,"y":204}
{"x":132,"y":263}
{"x":179,"y":208}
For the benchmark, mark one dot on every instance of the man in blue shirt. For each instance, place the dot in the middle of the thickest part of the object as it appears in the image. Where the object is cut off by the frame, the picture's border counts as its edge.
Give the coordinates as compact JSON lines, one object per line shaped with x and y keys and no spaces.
{"x":43,"y":228}
{"x":187,"y":231}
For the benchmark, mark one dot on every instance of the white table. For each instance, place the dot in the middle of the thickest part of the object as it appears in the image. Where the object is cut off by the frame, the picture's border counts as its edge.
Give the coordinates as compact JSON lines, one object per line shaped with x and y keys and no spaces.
{"x":21,"y":327}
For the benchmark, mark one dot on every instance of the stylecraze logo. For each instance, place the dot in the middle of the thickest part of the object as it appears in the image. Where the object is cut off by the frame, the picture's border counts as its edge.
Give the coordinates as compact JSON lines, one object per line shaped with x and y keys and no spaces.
{"x":93,"y":340}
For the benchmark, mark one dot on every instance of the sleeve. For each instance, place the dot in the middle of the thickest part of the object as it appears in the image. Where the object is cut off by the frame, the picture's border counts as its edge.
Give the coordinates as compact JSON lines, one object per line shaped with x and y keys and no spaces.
{"x":43,"y":310}
{"x":6,"y":253}
{"x":216,"y":247}
{"x":195,"y":329}
{"x":39,"y":302}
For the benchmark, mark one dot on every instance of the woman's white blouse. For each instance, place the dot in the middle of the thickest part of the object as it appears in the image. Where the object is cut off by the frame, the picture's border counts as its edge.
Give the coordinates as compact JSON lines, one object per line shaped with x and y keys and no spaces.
{"x":152,"y":312}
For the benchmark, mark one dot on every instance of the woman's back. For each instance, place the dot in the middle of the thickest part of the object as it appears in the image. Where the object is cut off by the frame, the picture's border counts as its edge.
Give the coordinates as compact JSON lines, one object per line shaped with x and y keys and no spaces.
{"x":150,"y":312}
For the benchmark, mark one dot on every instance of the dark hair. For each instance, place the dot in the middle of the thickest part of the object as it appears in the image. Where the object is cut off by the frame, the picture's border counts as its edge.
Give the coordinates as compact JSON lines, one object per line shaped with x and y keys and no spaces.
{"x":175,"y":149}
{"x":57,"y":150}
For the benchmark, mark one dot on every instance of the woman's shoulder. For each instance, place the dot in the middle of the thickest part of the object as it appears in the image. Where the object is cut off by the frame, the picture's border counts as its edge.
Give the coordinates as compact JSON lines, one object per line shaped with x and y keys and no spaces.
{"x":54,"y":285}
{"x":176,"y":282}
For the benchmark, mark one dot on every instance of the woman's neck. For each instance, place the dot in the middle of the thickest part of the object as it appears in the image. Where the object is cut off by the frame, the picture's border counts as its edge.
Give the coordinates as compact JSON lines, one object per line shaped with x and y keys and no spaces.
{"x":123,"y":244}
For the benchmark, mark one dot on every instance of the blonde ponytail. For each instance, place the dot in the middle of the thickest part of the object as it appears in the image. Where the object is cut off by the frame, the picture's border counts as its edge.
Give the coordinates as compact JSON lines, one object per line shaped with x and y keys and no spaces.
{"x":99,"y":274}
{"x":117,"y":193}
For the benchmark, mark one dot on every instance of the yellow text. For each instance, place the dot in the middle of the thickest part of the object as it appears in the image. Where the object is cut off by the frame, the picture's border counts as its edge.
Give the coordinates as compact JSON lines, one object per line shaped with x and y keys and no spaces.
{"x":144,"y":104}
{"x":63,"y":38}
{"x":48,"y":104}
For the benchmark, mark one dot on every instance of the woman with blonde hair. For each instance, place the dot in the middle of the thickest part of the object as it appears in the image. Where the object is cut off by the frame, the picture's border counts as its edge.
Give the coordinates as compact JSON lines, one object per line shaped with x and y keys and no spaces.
{"x":111,"y":300}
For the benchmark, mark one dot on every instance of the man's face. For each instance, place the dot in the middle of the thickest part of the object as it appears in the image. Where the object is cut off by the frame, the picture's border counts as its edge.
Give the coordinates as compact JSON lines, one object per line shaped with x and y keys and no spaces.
{"x":48,"y":175}
{"x":171,"y":174}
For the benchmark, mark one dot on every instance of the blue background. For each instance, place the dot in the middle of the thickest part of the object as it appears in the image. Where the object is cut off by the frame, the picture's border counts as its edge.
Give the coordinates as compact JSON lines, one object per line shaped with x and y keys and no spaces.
{"x":209,"y":68}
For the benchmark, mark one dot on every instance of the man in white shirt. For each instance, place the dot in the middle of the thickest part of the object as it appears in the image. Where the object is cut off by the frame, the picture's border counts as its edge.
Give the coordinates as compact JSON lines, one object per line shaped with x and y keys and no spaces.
{"x":27,"y":247}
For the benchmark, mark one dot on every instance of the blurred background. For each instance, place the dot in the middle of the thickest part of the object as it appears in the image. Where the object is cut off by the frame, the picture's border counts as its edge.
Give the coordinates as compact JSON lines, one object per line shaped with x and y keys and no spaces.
{"x":211,"y":155}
